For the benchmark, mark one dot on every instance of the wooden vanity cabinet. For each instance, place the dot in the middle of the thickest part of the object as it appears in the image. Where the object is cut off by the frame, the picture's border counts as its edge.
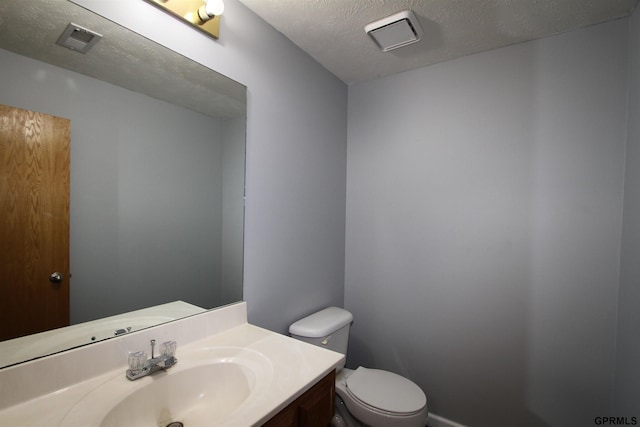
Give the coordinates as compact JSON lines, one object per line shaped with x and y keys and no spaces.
{"x":313,"y":409}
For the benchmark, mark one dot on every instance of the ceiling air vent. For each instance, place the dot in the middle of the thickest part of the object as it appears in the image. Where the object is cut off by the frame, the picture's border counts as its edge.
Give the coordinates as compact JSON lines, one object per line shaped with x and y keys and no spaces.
{"x":78,"y":38}
{"x":397,"y":30}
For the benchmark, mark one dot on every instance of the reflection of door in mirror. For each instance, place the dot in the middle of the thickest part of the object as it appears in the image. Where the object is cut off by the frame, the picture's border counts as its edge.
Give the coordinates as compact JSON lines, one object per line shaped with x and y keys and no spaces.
{"x":34,"y":222}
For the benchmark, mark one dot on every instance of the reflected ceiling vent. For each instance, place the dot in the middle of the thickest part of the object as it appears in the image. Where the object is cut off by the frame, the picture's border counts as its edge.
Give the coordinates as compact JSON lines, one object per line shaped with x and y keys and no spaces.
{"x":397,"y":30}
{"x":78,"y":38}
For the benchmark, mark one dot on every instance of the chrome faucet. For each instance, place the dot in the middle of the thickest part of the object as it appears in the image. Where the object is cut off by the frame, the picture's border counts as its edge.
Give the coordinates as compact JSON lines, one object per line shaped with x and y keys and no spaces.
{"x":140,"y":366}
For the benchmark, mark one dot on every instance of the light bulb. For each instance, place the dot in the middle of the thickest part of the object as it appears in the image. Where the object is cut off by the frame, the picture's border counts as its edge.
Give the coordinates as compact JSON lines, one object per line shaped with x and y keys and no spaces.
{"x":214,"y":7}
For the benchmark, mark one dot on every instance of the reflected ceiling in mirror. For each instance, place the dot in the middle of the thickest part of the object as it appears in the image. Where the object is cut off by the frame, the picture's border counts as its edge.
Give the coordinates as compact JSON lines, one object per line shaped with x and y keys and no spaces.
{"x":132,"y":195}
{"x":122,"y":57}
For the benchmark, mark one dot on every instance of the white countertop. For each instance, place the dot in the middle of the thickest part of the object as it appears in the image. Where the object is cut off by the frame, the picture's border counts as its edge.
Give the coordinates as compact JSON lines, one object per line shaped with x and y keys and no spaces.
{"x":294,"y":366}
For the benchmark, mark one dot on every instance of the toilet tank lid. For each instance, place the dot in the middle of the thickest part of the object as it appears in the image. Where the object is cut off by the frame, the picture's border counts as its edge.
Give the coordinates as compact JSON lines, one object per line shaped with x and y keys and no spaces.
{"x":322,"y":323}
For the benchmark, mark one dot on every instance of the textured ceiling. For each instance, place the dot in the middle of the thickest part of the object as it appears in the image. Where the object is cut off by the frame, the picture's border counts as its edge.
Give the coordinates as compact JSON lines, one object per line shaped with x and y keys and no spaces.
{"x":121,"y":57}
{"x":331,"y":31}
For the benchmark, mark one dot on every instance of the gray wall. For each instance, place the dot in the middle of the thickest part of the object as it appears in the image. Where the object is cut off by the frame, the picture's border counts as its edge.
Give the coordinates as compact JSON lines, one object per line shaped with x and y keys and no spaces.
{"x":233,"y":172}
{"x":627,"y":396}
{"x":484,"y":205}
{"x":141,"y":232}
{"x":296,"y":156}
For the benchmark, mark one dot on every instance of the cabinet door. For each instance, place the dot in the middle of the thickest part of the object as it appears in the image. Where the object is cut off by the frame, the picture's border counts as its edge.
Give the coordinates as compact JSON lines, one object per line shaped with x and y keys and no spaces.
{"x":316,"y":410}
{"x":288,"y":417}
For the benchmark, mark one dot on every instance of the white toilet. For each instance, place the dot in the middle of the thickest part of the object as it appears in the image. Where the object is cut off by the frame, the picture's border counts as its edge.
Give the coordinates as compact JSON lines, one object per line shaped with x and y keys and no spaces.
{"x":374,"y":397}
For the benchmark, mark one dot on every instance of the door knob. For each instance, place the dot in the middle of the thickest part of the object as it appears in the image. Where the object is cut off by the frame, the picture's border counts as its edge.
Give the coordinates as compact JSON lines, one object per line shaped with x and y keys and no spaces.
{"x":56,"y":277}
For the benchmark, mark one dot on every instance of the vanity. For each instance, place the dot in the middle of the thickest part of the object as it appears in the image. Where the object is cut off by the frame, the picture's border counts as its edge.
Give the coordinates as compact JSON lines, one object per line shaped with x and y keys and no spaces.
{"x":229,"y":373}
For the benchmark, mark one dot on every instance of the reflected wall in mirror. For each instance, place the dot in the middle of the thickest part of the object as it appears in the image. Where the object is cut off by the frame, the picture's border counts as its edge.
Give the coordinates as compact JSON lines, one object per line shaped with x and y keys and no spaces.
{"x":157,"y":161}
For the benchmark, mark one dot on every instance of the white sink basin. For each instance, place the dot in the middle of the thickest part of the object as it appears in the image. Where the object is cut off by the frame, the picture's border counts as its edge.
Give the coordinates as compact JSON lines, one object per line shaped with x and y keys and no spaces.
{"x":204,"y":388}
{"x":216,"y":389}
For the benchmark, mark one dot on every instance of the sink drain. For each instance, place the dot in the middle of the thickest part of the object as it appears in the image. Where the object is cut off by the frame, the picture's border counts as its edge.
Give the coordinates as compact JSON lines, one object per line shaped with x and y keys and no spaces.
{"x":175,"y":424}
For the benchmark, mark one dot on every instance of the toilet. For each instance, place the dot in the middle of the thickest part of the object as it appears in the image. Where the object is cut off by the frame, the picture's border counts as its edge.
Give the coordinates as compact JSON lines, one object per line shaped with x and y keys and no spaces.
{"x":373,"y":397}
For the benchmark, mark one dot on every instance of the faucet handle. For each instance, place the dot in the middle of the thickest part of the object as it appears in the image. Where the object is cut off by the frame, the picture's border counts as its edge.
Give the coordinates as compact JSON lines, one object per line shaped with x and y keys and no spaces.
{"x":137,"y":360}
{"x":169,"y":348}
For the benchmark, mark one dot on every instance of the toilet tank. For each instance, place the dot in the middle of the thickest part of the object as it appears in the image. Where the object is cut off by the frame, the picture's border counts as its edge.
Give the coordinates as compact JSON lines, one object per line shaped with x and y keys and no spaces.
{"x":328,"y":328}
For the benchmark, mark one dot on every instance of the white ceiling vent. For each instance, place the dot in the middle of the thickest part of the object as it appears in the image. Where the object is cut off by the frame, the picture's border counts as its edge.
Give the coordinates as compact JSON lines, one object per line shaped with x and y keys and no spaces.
{"x":397,"y":30}
{"x":78,"y":38}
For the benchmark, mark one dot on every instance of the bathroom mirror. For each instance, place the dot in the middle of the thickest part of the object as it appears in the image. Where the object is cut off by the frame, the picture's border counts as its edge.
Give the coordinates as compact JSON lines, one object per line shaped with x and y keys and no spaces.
{"x":157,"y":202}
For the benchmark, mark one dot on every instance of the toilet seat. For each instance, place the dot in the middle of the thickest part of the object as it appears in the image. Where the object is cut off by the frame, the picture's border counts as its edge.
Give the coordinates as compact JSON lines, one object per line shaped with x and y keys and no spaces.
{"x":385,"y":392}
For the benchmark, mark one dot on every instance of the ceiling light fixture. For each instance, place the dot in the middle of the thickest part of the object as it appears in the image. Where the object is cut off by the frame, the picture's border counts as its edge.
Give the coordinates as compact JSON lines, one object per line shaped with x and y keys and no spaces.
{"x":203,"y":15}
{"x":395,"y":31}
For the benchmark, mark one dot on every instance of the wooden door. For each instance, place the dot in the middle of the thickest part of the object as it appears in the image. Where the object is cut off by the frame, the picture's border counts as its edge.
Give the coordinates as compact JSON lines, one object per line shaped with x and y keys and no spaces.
{"x":34,"y":222}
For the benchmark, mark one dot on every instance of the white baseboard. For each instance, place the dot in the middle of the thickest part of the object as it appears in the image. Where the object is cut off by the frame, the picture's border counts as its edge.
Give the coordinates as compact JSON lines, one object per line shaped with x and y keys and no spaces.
{"x":436,"y":421}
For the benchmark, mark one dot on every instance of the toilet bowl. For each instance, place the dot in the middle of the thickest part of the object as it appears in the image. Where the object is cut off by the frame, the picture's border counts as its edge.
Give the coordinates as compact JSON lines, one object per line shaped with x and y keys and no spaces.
{"x":373,"y":397}
{"x":380,"y":398}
